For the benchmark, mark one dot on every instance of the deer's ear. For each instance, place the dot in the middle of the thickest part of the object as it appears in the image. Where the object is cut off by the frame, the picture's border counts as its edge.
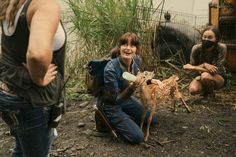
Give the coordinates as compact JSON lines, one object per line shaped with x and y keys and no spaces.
{"x":139,"y":73}
{"x":153,"y":74}
{"x":176,"y":77}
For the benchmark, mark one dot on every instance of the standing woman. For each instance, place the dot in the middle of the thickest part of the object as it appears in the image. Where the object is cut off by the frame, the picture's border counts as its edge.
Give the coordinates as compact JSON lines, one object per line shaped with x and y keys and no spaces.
{"x":121,"y":109}
{"x":207,"y":59}
{"x":31,"y":72}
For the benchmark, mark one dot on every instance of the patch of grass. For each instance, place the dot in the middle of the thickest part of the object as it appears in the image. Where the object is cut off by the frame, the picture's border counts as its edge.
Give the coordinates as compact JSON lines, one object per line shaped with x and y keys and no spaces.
{"x":97,"y":26}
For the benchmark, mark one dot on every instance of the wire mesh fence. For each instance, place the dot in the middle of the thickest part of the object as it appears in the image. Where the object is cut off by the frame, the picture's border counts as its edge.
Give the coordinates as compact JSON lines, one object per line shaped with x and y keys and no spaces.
{"x":169,"y":35}
{"x":189,"y":24}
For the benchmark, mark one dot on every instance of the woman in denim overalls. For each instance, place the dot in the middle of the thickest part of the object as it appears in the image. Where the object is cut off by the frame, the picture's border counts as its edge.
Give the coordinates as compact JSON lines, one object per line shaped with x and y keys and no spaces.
{"x":121,"y":109}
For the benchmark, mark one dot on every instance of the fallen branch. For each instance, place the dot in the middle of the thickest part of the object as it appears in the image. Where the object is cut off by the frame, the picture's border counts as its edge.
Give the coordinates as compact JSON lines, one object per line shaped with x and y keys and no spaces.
{"x":208,"y":109}
{"x":165,"y":142}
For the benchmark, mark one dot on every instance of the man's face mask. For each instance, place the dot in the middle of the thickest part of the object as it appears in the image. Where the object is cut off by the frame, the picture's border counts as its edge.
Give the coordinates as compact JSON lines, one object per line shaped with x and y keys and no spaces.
{"x":206,"y":44}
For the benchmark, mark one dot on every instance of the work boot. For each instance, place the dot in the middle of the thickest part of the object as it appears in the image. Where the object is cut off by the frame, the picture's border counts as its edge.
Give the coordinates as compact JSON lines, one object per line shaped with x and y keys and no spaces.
{"x":100,"y":123}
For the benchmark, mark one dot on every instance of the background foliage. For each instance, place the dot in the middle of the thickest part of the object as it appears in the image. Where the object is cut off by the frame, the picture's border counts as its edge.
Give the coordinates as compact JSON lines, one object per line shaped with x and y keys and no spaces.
{"x":98,"y":24}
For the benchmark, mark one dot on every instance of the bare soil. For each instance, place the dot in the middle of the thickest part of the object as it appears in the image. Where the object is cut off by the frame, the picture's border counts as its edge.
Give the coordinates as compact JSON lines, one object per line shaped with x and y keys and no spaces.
{"x":208,"y":131}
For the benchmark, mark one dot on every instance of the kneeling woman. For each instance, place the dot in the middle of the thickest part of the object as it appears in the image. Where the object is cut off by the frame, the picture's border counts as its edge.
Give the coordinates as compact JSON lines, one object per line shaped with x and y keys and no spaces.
{"x":121,"y":109}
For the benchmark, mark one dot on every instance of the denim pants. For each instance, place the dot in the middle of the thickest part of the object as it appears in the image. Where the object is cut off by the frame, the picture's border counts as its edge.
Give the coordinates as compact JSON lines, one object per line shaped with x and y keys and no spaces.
{"x":29,"y":126}
{"x":125,"y":118}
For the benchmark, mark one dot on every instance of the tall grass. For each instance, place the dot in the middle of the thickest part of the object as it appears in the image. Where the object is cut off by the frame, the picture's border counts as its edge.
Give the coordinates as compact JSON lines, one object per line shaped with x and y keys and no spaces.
{"x":98,"y":24}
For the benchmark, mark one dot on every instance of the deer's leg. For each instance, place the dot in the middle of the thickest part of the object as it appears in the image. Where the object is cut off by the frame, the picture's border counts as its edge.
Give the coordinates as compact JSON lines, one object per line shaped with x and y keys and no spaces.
{"x":143,"y":116}
{"x":156,"y":124}
{"x":185,"y":105}
{"x":174,"y":105}
{"x":153,"y":109}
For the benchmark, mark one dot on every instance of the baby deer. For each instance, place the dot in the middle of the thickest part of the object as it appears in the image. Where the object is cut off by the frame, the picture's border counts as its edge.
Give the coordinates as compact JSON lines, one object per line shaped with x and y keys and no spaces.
{"x":153,"y":94}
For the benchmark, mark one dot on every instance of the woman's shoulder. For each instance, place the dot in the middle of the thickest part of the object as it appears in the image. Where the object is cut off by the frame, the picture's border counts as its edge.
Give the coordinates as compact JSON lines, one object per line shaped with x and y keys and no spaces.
{"x":113,"y":61}
{"x":111,"y":65}
{"x":222,"y":48}
{"x":137,"y":60}
{"x":197,"y":47}
{"x":44,"y":7}
{"x":222,"y":45}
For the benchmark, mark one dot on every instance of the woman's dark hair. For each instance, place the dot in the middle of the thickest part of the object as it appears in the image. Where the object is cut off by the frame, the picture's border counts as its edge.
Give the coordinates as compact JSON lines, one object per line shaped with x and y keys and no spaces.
{"x":115,"y":52}
{"x":131,"y":38}
{"x":9,"y":9}
{"x":215,"y":30}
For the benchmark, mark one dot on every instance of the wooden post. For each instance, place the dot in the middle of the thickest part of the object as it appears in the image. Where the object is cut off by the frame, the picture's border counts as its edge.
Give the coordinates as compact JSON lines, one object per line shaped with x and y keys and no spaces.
{"x":214,"y":13}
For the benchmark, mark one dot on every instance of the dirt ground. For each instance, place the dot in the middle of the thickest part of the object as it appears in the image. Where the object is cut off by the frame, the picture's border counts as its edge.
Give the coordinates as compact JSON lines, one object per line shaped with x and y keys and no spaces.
{"x":208,"y":131}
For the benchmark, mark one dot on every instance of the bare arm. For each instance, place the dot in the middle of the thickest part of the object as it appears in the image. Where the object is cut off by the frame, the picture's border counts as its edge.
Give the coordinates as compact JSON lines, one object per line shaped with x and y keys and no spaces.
{"x":193,"y":66}
{"x":43,"y":18}
{"x":199,"y":68}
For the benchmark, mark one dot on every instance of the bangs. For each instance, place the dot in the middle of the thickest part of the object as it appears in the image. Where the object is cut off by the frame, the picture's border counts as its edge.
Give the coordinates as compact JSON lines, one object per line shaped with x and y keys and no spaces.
{"x":129,"y":38}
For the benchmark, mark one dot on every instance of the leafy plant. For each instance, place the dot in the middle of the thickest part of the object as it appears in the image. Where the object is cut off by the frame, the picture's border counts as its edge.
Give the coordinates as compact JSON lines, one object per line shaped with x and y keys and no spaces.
{"x":100,"y":23}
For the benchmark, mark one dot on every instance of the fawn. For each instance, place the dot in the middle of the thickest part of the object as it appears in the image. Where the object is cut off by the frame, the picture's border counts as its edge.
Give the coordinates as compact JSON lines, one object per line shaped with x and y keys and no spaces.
{"x":153,"y":94}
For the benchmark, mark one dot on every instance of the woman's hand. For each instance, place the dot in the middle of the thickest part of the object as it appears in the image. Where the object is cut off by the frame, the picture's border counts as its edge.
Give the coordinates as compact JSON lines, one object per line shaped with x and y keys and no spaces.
{"x":198,"y":68}
{"x":138,"y":82}
{"x":188,"y":67}
{"x":158,"y":82}
{"x":211,"y":68}
{"x":49,"y":76}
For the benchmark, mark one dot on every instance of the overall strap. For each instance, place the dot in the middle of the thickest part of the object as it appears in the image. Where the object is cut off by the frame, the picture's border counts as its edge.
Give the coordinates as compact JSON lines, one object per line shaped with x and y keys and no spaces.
{"x":117,"y":67}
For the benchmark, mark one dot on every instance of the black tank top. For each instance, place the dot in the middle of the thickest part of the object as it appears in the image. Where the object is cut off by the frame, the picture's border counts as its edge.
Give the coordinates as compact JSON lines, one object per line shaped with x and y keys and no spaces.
{"x":15,"y":75}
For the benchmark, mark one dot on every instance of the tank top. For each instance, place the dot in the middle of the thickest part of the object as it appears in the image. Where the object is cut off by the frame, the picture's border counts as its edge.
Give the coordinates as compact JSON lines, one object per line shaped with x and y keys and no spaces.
{"x":14,"y":43}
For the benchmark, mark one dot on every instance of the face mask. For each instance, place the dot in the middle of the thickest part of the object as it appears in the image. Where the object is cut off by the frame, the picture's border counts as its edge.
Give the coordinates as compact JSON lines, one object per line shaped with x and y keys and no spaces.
{"x":206,"y":44}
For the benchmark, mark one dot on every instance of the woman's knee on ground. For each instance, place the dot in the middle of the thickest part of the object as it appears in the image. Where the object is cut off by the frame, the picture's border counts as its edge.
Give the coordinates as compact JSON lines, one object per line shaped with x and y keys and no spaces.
{"x":135,"y":137}
{"x":130,"y":131}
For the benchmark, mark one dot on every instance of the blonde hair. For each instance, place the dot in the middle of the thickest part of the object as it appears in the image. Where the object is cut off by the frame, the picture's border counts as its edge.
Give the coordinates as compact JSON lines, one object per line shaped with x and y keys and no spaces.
{"x":9,"y":9}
